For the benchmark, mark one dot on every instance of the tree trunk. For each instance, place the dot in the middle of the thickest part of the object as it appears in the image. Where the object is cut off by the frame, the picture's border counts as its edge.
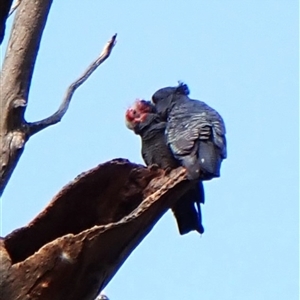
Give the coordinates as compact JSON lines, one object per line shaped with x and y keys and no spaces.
{"x":15,"y":82}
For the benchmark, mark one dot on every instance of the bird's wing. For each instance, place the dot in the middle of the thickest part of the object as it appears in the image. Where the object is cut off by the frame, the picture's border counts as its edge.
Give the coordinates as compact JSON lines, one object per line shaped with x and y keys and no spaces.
{"x":181,"y":135}
{"x":193,"y":121}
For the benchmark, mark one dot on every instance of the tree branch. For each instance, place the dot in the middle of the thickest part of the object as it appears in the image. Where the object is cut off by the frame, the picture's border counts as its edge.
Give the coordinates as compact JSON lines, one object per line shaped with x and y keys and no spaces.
{"x":58,"y":115}
{"x":75,"y":246}
{"x":15,"y":80}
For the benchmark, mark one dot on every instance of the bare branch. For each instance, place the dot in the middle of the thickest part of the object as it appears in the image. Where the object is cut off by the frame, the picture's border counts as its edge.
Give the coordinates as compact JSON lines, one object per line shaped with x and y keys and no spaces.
{"x":14,"y":7}
{"x":58,"y":115}
{"x":15,"y":81}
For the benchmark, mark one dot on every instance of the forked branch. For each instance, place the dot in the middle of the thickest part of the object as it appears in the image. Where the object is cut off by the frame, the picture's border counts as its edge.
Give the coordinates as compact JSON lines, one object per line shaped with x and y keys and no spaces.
{"x":15,"y":81}
{"x":58,"y":115}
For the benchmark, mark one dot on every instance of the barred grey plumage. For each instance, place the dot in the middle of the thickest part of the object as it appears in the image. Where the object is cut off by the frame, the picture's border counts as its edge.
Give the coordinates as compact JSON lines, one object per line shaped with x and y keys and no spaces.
{"x":195,"y":132}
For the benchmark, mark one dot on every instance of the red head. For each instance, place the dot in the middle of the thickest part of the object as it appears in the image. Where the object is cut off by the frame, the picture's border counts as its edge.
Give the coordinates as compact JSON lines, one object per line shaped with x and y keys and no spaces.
{"x":137,"y":113}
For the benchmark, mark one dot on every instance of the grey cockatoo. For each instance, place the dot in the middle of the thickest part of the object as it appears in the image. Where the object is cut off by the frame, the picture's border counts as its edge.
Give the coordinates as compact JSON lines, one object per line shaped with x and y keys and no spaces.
{"x":144,"y":121}
{"x":195,"y":132}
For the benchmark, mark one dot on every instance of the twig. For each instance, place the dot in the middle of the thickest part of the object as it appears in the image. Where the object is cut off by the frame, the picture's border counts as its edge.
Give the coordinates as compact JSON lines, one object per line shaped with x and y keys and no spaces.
{"x":58,"y":115}
{"x":14,"y":7}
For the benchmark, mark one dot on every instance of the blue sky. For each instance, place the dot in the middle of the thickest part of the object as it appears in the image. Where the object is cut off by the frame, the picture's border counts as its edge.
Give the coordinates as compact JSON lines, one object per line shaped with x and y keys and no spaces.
{"x":241,"y":57}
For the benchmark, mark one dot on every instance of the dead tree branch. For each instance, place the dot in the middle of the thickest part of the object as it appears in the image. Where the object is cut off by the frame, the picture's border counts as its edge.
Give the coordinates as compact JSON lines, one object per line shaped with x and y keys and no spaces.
{"x":15,"y":81}
{"x":74,"y":247}
{"x":58,"y":115}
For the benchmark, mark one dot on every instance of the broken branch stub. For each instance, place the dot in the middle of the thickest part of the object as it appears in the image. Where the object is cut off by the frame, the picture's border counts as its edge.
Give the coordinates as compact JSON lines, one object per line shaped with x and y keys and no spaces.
{"x":74,"y":247}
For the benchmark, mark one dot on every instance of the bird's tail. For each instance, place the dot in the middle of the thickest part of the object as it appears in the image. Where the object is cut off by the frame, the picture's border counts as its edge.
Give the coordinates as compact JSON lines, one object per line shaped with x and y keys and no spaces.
{"x":210,"y":159}
{"x":188,"y":216}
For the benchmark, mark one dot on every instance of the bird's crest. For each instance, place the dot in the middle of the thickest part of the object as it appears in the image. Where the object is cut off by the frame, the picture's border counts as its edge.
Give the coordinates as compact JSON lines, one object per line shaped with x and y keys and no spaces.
{"x":182,"y":89}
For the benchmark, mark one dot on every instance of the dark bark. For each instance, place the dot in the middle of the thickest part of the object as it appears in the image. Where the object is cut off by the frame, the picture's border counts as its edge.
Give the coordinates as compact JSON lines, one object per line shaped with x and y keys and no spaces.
{"x":75,"y":246}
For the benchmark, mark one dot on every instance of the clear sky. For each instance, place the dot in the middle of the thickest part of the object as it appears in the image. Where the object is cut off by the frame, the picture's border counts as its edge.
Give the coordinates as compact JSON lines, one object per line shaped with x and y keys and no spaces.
{"x":241,"y":57}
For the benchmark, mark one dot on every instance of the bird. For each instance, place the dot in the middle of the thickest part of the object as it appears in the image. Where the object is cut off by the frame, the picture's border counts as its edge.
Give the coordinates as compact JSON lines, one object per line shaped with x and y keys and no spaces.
{"x":195,"y":132}
{"x":143,"y":119}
